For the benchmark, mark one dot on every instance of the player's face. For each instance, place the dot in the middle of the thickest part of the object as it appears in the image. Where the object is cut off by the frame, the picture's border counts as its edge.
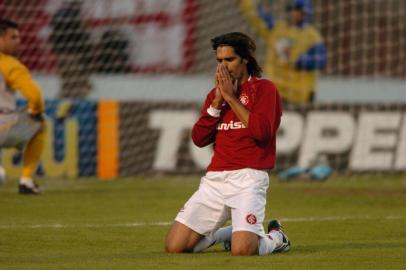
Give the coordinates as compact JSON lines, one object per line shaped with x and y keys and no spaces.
{"x":10,"y":41}
{"x":236,"y":66}
{"x":296,"y":16}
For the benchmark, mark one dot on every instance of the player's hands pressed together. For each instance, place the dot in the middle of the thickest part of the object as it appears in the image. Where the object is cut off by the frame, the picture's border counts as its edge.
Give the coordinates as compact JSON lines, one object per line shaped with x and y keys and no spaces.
{"x":225,"y":83}
{"x":227,"y":91}
{"x":218,"y":99}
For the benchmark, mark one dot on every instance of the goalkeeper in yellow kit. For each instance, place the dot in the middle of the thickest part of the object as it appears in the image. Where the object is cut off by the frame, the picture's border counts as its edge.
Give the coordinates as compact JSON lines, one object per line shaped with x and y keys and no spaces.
{"x":24,"y":129}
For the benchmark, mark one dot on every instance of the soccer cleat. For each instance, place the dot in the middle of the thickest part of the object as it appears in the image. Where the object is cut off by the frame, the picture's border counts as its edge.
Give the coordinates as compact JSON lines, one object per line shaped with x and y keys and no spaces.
{"x":227,"y":245}
{"x":26,"y":190}
{"x":275,"y":225}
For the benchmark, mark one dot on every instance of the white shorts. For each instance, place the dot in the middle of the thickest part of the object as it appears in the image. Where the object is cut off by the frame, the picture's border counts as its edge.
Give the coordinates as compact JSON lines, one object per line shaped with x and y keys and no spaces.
{"x":17,"y":129}
{"x":239,"y":195}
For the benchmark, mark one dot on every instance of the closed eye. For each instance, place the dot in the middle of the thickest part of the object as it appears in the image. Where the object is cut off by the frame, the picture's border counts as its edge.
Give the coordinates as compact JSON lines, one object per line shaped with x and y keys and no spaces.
{"x":228,"y":59}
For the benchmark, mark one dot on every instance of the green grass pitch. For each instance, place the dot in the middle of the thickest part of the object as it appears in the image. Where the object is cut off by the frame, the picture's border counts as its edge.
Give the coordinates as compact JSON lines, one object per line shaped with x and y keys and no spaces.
{"x":344,"y":223}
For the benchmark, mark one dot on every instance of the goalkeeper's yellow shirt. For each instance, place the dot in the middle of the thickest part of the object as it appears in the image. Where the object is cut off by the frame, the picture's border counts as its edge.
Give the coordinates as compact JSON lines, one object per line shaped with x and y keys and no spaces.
{"x":15,"y":76}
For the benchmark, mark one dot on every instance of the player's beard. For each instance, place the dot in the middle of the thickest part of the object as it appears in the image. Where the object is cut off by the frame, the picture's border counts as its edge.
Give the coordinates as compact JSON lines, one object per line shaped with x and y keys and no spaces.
{"x":233,"y":78}
{"x":235,"y":85}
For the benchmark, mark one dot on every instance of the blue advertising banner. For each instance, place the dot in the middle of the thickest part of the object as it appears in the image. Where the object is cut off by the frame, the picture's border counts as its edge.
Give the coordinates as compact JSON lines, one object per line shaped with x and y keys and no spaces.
{"x":71,"y":146}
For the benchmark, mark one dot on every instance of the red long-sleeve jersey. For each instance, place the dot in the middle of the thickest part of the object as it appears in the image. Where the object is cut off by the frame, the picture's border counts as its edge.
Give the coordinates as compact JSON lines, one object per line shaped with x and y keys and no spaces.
{"x":235,"y":145}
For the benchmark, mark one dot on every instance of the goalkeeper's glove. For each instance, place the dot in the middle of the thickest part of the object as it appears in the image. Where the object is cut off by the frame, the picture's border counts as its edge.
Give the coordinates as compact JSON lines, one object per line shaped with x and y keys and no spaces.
{"x":39,"y":117}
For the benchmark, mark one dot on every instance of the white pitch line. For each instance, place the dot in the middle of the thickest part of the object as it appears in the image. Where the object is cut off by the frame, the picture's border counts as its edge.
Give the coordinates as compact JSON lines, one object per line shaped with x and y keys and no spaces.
{"x":167,"y":223}
{"x":63,"y":226}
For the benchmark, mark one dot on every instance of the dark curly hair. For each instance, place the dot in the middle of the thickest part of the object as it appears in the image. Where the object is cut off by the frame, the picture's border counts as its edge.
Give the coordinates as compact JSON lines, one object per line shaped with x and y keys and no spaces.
{"x":7,"y":24}
{"x":243,"y":45}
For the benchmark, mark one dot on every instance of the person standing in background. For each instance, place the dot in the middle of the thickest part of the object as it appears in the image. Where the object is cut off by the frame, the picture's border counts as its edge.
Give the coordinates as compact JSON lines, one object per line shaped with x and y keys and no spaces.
{"x":295,"y":49}
{"x":70,"y":40}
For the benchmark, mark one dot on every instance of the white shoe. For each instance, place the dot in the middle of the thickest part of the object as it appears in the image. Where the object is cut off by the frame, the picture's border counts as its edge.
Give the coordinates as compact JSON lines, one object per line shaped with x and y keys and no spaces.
{"x":275,"y":225}
{"x":32,"y":189}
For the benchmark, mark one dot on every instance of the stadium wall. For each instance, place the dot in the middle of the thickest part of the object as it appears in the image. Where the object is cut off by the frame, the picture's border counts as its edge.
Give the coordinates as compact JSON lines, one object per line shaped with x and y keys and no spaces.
{"x":331,"y":89}
{"x":108,"y":138}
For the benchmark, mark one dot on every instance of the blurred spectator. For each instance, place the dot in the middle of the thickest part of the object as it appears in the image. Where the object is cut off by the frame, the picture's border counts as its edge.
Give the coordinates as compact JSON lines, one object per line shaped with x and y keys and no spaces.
{"x":70,"y":41}
{"x":295,"y":48}
{"x":114,"y":57}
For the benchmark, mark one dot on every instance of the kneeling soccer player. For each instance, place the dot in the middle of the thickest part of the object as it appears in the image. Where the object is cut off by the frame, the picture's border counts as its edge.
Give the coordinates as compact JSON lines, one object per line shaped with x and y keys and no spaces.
{"x":240,"y":116}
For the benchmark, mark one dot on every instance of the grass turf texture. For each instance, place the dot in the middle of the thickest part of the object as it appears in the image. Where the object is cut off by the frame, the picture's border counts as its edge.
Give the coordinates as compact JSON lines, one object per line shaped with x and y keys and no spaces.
{"x":344,"y":223}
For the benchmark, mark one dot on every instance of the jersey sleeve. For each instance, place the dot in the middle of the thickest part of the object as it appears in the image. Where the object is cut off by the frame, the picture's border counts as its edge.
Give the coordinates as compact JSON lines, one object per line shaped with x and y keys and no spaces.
{"x":268,"y":18}
{"x":19,"y":78}
{"x":254,"y":16}
{"x":315,"y":57}
{"x":265,"y":117}
{"x":204,"y":130}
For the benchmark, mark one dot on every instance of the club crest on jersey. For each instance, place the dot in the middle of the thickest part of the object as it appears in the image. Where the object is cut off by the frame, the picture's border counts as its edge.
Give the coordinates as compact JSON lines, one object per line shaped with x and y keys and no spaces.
{"x":244,"y":99}
{"x":251,"y":219}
